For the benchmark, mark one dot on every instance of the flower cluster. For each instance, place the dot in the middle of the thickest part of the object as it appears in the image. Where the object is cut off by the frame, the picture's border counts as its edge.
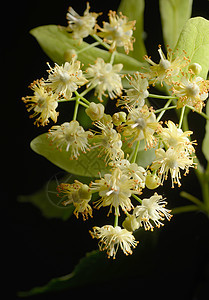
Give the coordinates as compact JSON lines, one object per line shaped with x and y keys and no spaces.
{"x":134,"y":130}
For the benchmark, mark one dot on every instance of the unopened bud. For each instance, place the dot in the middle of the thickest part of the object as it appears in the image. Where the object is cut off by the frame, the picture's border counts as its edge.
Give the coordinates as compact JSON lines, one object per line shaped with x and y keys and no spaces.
{"x":152,"y":181}
{"x":196,"y":68}
{"x":130,"y":223}
{"x":69,"y":54}
{"x":95,"y":111}
{"x":118,"y":118}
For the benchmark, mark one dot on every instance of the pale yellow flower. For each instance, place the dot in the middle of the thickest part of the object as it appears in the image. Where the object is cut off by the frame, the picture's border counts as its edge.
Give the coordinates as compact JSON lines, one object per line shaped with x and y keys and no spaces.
{"x":95,"y":111}
{"x":43,"y":102}
{"x":118,"y":32}
{"x":115,"y":190}
{"x":141,"y":124}
{"x":81,"y":26}
{"x":168,"y":67}
{"x":152,"y":209}
{"x":104,"y":77}
{"x":109,"y":140}
{"x":191,"y":91}
{"x":173,"y":136}
{"x":70,"y":136}
{"x":65,"y":79}
{"x":172,"y":161}
{"x":79,"y":195}
{"x":111,"y":238}
{"x":136,"y":95}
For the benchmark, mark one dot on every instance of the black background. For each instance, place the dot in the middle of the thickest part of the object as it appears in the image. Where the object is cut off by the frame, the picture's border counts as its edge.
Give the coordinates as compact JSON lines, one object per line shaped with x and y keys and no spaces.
{"x":37,"y":249}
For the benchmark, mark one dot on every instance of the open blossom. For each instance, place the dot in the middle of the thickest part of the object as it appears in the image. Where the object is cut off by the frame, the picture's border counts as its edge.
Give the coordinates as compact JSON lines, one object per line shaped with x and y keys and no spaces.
{"x":81,"y":26}
{"x":118,"y":32}
{"x":191,"y":91}
{"x":172,"y":161}
{"x":111,"y":238}
{"x":115,"y":190}
{"x":167,"y":68}
{"x":109,"y":140}
{"x":104,"y":77}
{"x":79,"y":195}
{"x":71,"y":136}
{"x":136,"y":95}
{"x":141,"y":124}
{"x":43,"y":103}
{"x":173,"y":136}
{"x":65,"y":79}
{"x":152,"y":210}
{"x":133,"y":171}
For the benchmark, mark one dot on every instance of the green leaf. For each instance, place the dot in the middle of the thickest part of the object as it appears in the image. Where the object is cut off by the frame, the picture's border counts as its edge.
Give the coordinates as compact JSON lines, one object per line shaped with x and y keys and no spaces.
{"x":174,"y":14}
{"x":194,"y":39}
{"x":55,"y":41}
{"x":47,"y":200}
{"x":134,"y":10}
{"x":95,"y":268}
{"x":205,"y":143}
{"x":88,"y":164}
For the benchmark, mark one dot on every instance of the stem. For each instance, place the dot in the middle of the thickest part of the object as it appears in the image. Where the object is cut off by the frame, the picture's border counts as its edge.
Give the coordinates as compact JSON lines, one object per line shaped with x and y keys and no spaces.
{"x":137,"y":198}
{"x":88,"y":47}
{"x":181,"y":116}
{"x":79,"y":96}
{"x":186,"y":208}
{"x":116,"y":220}
{"x":83,"y":104}
{"x":192,"y":199}
{"x":91,"y":87}
{"x":200,"y":113}
{"x":98,"y":39}
{"x":76,"y":109}
{"x":135,"y":152}
{"x":67,"y":100}
{"x":163,"y":110}
{"x":112,"y":57}
{"x":161,"y":97}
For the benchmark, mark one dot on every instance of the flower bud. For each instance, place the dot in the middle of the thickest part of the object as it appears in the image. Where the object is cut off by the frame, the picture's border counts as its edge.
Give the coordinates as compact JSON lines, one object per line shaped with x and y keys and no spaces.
{"x":118,"y":118}
{"x":130,"y":223}
{"x":85,"y":192}
{"x":95,"y":111}
{"x":196,"y":68}
{"x":152,"y":181}
{"x":69,"y":54}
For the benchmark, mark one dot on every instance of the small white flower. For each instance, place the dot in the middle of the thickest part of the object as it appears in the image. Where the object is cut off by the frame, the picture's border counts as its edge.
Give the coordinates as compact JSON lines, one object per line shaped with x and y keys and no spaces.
{"x":136,"y":95}
{"x":141,"y":124}
{"x":43,"y":102}
{"x":191,"y":91}
{"x":172,"y":161}
{"x":152,"y":209}
{"x":79,"y":195}
{"x":81,"y":26}
{"x":65,"y":79}
{"x":118,"y":32}
{"x":115,"y":190}
{"x":72,"y":136}
{"x":104,"y":77}
{"x":111,"y":238}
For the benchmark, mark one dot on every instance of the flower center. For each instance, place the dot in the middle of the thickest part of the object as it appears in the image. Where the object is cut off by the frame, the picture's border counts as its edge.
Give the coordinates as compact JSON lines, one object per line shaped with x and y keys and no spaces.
{"x":139,"y":124}
{"x":192,"y":89}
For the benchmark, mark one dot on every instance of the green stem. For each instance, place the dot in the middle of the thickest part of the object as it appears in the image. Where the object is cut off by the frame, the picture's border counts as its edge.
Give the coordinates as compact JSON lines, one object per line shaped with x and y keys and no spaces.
{"x":83,"y":104}
{"x":87,"y":90}
{"x":76,"y":109}
{"x":192,"y":198}
{"x":137,"y":198}
{"x":186,"y":208}
{"x":181,"y":116}
{"x":116,"y":219}
{"x":98,"y":39}
{"x":133,"y":159}
{"x":112,"y":57}
{"x":88,"y":47}
{"x":200,"y":113}
{"x":164,"y":109}
{"x":66,"y":100}
{"x":161,"y":97}
{"x":79,"y":96}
